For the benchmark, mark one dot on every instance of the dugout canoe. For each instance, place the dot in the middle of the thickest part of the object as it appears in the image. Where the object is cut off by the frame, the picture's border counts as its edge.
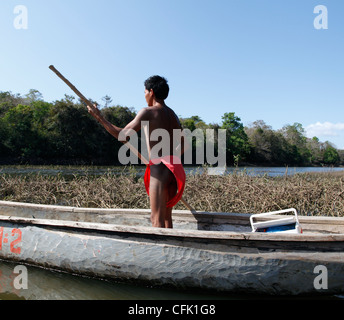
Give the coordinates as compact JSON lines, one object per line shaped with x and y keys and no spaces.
{"x":205,"y":250}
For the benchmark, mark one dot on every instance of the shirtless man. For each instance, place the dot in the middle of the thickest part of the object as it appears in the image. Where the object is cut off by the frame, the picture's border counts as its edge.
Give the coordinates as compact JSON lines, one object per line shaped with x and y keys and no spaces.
{"x":162,"y":183}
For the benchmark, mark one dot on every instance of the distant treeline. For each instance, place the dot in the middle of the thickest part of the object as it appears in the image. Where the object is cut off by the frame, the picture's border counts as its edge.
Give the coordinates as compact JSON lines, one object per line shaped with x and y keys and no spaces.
{"x":33,"y":131}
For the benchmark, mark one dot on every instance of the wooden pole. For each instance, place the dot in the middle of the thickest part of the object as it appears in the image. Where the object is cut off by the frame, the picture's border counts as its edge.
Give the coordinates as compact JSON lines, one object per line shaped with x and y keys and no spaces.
{"x":88,"y":103}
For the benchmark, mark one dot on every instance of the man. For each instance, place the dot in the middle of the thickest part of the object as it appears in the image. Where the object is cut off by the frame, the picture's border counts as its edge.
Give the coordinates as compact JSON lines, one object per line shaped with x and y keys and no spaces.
{"x":165,"y":176}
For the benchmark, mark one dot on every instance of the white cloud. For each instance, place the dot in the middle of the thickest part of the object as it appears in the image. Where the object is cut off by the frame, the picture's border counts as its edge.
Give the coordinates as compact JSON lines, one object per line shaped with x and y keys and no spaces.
{"x":326,"y":129}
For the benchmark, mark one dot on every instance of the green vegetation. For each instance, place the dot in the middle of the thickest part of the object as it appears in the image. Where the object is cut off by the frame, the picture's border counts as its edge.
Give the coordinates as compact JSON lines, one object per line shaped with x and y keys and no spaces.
{"x":33,"y":131}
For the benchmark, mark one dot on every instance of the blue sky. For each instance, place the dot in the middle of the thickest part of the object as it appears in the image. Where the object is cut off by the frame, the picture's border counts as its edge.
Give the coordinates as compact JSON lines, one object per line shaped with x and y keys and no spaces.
{"x":262,"y":59}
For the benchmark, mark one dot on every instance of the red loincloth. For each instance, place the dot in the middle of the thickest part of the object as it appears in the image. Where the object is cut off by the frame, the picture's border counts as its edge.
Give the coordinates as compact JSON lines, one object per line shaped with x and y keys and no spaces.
{"x":174,"y":164}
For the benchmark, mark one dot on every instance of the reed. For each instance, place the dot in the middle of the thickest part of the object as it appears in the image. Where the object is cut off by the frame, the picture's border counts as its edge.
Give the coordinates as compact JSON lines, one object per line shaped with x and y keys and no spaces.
{"x":310,"y":193}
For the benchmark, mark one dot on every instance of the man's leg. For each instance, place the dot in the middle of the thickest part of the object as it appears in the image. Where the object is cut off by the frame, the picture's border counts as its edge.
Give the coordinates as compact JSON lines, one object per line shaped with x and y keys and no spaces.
{"x":162,"y":188}
{"x":172,"y":191}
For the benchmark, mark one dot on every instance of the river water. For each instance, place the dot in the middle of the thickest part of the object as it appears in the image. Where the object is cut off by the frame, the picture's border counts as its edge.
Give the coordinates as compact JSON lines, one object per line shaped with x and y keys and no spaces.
{"x":33,"y":283}
{"x":75,"y":170}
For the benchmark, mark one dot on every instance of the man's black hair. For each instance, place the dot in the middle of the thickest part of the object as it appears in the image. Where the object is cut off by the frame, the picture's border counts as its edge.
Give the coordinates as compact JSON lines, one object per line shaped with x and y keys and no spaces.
{"x":159,"y":86}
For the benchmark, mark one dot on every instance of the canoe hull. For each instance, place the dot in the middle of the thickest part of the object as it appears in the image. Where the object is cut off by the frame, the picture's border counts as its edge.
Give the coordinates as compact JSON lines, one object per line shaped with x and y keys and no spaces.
{"x":174,"y":262}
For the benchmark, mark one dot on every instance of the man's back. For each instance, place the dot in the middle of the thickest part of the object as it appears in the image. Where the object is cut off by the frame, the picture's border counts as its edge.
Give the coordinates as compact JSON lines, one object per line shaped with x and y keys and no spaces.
{"x":162,"y":121}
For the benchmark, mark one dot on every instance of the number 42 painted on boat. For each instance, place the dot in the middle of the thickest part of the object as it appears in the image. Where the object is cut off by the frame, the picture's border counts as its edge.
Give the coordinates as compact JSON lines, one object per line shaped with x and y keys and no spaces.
{"x":4,"y":238}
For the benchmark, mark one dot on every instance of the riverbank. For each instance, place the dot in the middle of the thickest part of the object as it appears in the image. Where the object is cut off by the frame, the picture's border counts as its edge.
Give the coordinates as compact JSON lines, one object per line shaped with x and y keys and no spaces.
{"x":309,"y":193}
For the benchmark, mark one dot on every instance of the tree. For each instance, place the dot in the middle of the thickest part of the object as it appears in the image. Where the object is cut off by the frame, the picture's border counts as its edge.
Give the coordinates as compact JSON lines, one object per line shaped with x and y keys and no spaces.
{"x":188,"y":123}
{"x":237,"y":141}
{"x":22,"y":140}
{"x":297,"y":149}
{"x":341,"y":156}
{"x":22,"y":125}
{"x":107,"y":101}
{"x":315,"y":148}
{"x":267,"y":145}
{"x":119,"y":116}
{"x":331,"y":155}
{"x":33,"y":95}
{"x":72,"y":132}
{"x":10,"y":98}
{"x":4,"y":150}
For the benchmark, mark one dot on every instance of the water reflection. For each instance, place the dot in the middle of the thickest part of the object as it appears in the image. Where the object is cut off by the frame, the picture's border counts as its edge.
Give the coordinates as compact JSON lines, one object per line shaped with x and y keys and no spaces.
{"x":52,"y":285}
